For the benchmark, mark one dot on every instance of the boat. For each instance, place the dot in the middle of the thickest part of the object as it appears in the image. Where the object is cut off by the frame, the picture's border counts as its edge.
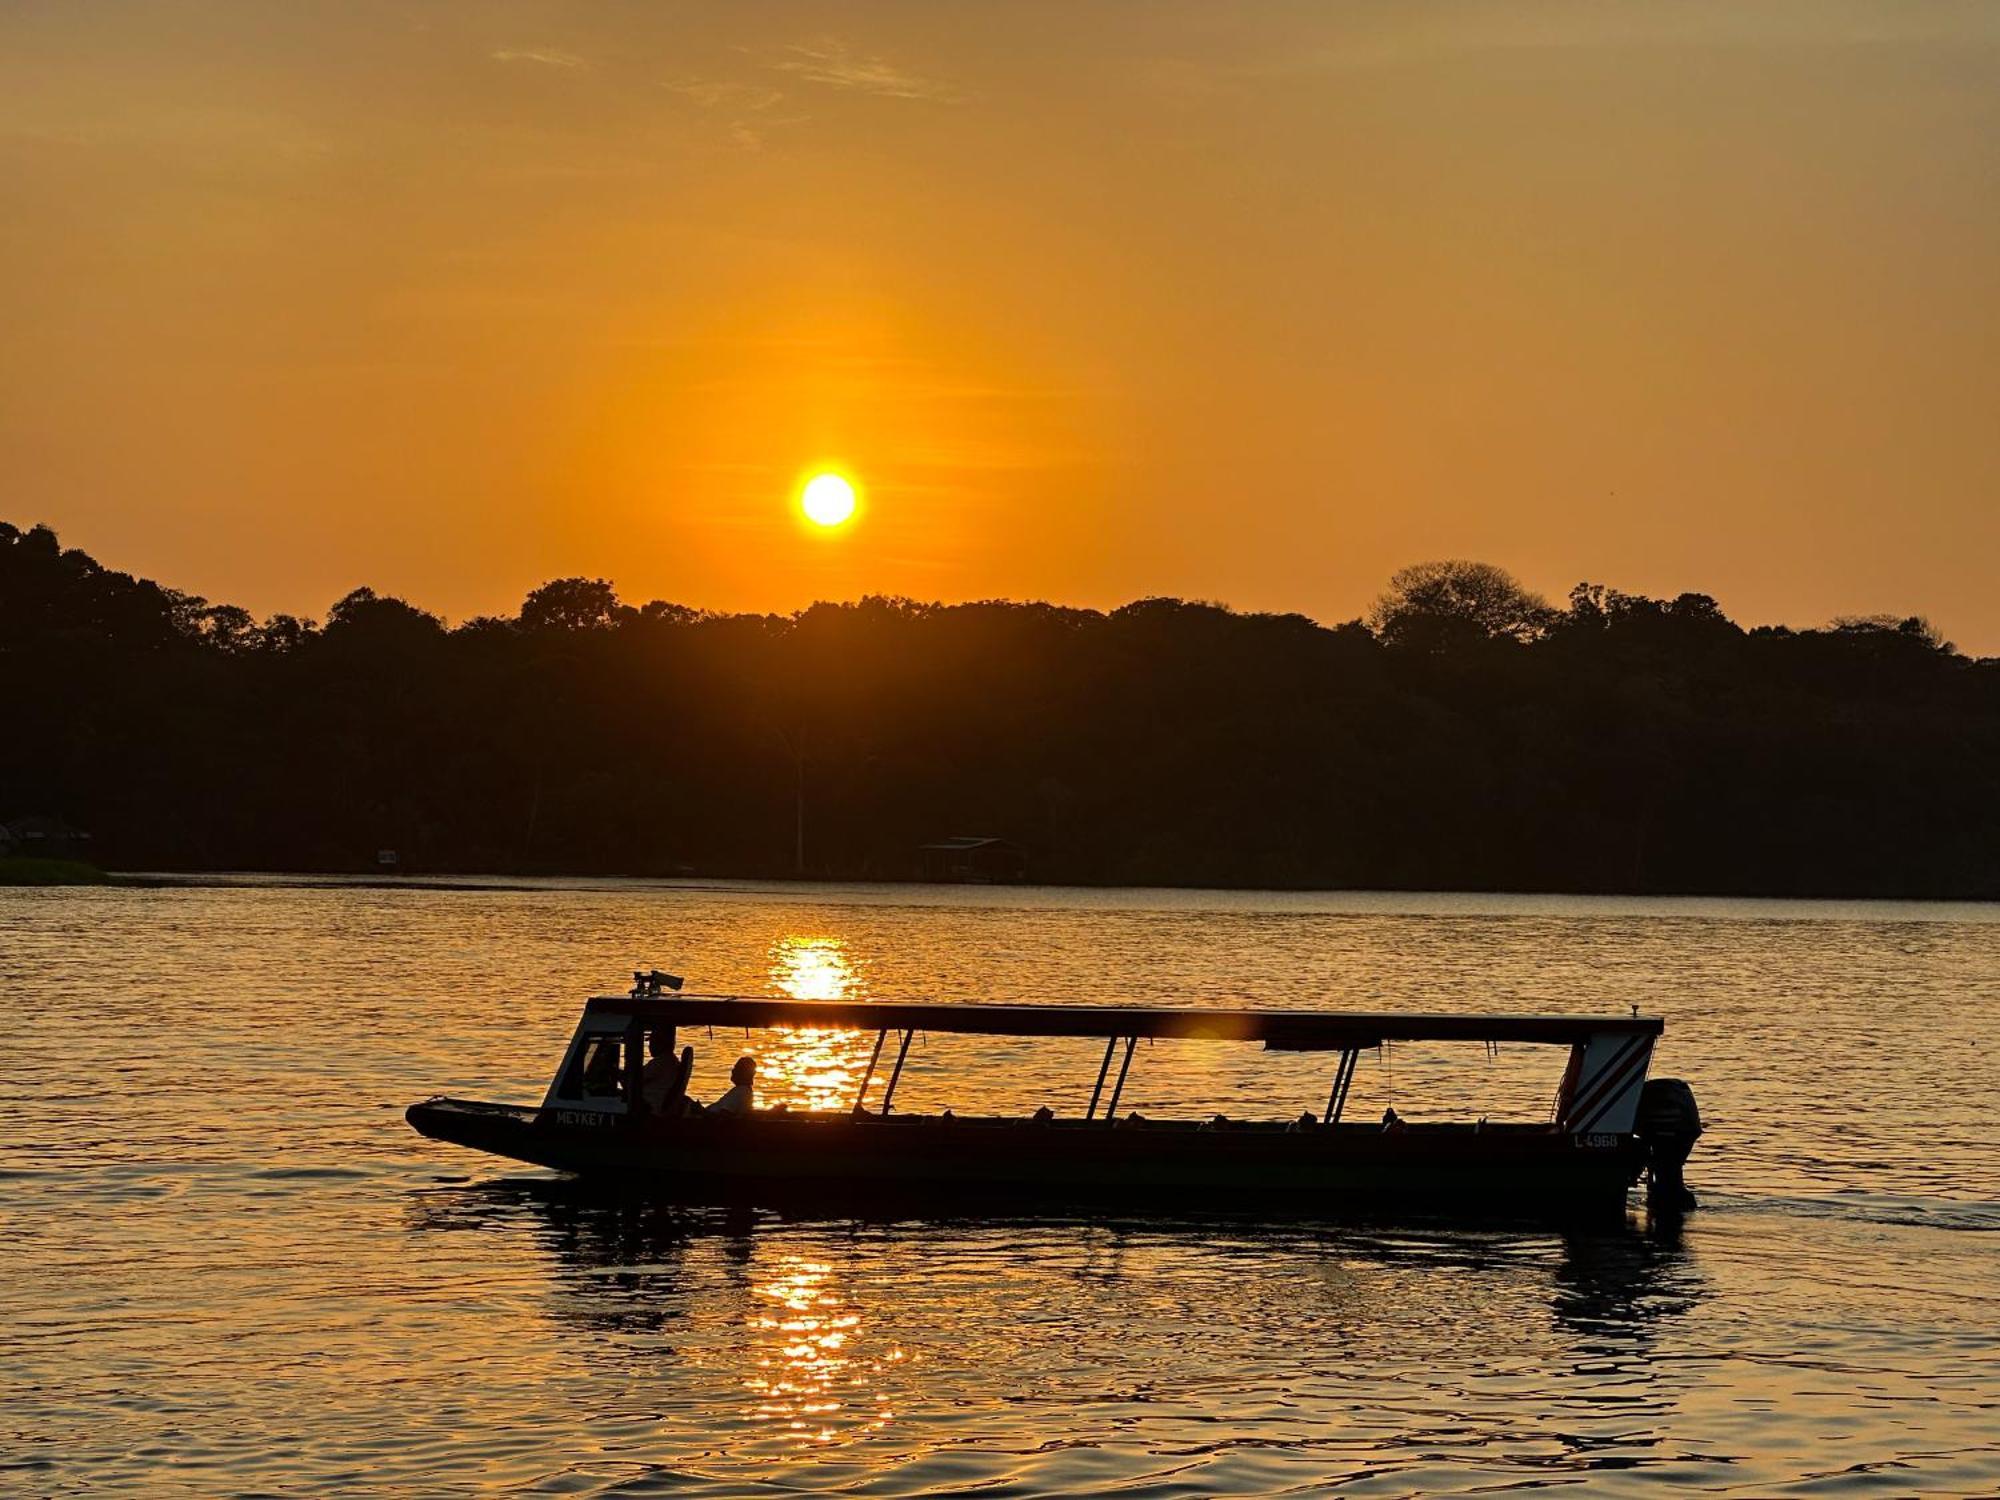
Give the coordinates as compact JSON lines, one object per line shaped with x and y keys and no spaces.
{"x":1607,"y":1126}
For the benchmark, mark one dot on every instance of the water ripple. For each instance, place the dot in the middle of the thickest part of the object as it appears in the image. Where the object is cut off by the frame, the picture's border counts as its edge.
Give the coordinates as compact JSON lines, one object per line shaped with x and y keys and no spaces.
{"x":231,"y":1269}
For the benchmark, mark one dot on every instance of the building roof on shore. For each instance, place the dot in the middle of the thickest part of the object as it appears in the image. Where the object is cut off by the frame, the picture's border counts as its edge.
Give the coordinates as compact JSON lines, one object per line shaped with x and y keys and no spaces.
{"x":39,"y":826}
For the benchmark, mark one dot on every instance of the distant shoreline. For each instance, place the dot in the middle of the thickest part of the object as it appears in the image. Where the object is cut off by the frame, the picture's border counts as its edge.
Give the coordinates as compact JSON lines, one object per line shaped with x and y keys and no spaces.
{"x":505,"y":881}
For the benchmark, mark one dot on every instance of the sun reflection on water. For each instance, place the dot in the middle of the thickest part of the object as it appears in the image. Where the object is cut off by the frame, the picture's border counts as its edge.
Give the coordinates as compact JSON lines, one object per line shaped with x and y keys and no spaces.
{"x":812,"y":1381}
{"x":813,"y":968}
{"x":812,"y":1067}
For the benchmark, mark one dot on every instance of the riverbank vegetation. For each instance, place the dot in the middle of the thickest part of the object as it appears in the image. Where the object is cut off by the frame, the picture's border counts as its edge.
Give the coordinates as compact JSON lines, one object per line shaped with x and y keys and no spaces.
{"x":25,"y":871}
{"x":1466,"y":735}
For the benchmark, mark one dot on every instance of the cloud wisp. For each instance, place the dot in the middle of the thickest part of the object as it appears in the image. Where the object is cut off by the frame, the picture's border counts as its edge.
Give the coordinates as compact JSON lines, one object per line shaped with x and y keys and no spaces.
{"x":547,"y":57}
{"x":717,"y":93}
{"x":837,"y":65}
{"x":746,"y":107}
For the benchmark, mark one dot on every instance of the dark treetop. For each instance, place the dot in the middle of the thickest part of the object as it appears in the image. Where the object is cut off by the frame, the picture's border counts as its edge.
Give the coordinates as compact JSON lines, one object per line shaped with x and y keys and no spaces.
{"x":1467,"y":736}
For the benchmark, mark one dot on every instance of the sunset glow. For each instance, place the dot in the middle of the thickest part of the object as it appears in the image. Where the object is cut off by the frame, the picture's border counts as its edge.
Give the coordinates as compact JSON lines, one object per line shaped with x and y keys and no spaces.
{"x":1287,"y":712}
{"x":827,"y":500}
{"x":487,"y":298}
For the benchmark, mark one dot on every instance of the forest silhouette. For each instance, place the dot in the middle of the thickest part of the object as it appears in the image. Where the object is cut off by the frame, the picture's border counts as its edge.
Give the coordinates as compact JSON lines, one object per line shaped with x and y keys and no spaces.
{"x":1465,"y":736}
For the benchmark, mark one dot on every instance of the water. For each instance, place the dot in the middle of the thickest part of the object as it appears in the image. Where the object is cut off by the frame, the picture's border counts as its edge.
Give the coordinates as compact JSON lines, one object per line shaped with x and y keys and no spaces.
{"x":228,"y":1267}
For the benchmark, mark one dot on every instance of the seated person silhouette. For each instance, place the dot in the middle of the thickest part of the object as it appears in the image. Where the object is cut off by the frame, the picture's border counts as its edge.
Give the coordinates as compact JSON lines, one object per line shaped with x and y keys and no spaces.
{"x":600,"y":1075}
{"x":663,"y":1085}
{"x":741,"y":1098}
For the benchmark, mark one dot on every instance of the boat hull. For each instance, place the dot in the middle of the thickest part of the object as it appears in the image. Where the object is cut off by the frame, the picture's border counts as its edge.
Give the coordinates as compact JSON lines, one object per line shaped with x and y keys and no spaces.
{"x":777,"y":1160}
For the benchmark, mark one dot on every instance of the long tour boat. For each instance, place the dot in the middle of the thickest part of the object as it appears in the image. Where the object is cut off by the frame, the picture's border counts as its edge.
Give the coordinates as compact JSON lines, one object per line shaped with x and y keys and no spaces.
{"x":606,"y":1116}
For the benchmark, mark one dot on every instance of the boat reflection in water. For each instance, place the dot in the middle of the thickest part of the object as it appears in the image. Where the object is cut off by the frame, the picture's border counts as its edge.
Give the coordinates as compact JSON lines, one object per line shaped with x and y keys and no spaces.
{"x":761,"y":1341}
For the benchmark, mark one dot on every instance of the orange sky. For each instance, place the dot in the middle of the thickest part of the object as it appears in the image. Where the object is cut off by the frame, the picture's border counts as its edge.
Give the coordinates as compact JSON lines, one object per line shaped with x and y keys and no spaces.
{"x":1246,"y":302}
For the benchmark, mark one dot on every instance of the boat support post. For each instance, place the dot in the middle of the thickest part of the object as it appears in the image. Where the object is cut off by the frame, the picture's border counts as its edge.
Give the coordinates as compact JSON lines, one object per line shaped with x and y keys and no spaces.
{"x":896,"y":1073}
{"x":635,"y":1067}
{"x":1111,"y":1109}
{"x":874,"y":1057}
{"x":1110,"y":1044}
{"x":1343,"y":1080}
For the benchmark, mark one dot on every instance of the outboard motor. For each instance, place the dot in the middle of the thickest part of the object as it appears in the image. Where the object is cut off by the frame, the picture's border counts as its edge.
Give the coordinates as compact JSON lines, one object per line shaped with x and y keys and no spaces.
{"x":1669,"y":1122}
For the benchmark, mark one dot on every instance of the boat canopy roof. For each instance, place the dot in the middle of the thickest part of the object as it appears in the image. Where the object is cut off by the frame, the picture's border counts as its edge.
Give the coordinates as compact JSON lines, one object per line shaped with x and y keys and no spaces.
{"x":1279,"y":1030}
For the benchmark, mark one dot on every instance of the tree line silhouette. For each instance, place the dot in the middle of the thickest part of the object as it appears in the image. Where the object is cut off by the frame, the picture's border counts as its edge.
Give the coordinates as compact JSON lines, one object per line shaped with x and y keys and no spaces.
{"x":1466,"y":735}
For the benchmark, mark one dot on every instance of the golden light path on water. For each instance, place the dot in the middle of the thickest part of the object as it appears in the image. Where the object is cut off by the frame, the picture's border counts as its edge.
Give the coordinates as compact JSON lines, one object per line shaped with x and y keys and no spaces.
{"x":813,"y":1380}
{"x":812,"y":1067}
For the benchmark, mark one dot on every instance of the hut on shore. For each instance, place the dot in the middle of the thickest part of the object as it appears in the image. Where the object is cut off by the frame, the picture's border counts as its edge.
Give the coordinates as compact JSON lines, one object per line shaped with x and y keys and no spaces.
{"x":974,"y":860}
{"x":39,"y":837}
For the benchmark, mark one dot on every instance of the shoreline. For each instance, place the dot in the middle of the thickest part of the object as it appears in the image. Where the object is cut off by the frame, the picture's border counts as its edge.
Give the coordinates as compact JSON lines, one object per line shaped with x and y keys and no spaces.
{"x":917,"y":892}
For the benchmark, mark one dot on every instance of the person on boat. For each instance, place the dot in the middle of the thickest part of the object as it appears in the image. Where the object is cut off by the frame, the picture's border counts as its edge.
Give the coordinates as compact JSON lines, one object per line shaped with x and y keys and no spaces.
{"x":601,"y":1076}
{"x":660,"y":1085}
{"x":1393,"y":1122}
{"x":741,"y":1098}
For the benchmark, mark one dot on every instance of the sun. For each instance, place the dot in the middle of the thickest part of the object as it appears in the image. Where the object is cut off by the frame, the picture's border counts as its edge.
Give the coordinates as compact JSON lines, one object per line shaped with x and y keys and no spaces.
{"x":827,"y":500}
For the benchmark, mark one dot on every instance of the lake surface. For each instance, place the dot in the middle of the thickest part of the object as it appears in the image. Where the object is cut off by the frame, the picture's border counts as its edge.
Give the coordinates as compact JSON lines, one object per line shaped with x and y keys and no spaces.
{"x":228,"y":1267}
